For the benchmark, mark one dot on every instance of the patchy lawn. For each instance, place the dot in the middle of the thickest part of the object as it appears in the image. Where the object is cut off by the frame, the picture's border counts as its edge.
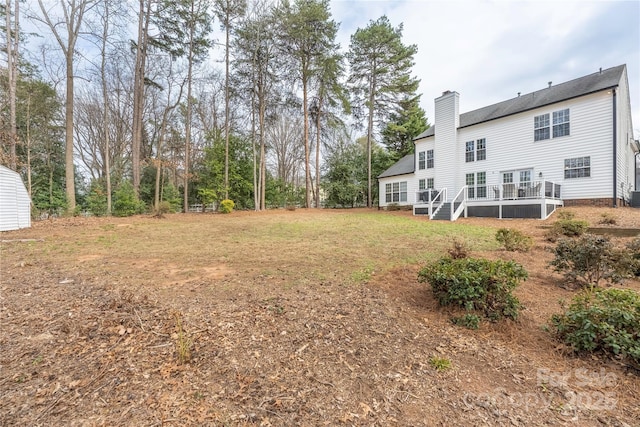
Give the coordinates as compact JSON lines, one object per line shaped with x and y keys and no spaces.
{"x":288,"y":318}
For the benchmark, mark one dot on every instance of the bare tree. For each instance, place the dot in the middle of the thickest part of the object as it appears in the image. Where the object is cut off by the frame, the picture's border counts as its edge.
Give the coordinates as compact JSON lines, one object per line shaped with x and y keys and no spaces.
{"x":283,"y":137}
{"x":66,"y":30}
{"x":12,"y":74}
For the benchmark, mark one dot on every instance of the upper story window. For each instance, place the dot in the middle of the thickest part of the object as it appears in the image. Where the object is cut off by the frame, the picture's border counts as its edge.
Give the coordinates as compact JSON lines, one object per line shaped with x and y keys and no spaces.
{"x":421,"y":161}
{"x":561,"y":123}
{"x":421,"y":184}
{"x":542,"y":127}
{"x":481,"y":149}
{"x":469,"y":155}
{"x":578,"y":167}
{"x":429,"y":159}
{"x":475,"y":150}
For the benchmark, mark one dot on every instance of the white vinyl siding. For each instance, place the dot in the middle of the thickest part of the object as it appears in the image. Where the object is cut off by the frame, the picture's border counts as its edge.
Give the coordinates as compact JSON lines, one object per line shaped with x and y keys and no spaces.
{"x":512,"y":147}
{"x":402,"y":187}
{"x":15,"y":205}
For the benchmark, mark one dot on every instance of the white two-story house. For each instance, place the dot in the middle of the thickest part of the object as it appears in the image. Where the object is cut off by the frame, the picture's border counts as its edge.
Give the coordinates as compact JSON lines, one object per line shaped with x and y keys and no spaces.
{"x":567,"y":144}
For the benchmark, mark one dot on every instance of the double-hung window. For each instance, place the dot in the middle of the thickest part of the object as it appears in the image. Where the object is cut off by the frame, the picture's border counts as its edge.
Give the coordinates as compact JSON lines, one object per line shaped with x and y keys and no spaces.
{"x":481,"y":149}
{"x":469,"y":155}
{"x":578,"y":167}
{"x":541,"y":127}
{"x":475,"y":150}
{"x":422,"y":184}
{"x":561,"y":123}
{"x":546,"y":127}
{"x":421,"y":161}
{"x":429,"y":159}
{"x":430,"y":183}
{"x":395,"y":192}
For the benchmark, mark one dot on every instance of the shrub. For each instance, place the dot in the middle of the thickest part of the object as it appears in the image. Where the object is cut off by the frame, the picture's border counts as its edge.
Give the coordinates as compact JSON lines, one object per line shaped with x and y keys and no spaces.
{"x":469,"y":321}
{"x":226,"y":206}
{"x":476,"y":285}
{"x":602,"y":320}
{"x":97,"y":201}
{"x":607,"y":219}
{"x":634,"y":256}
{"x":393,"y":207}
{"x":514,"y":240}
{"x":588,"y":260}
{"x":125,"y":201}
{"x":568,"y":228}
{"x":459,"y":249}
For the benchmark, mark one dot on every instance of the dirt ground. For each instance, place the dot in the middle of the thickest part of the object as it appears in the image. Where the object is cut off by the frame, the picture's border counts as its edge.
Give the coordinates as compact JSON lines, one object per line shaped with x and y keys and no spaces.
{"x":92,"y":340}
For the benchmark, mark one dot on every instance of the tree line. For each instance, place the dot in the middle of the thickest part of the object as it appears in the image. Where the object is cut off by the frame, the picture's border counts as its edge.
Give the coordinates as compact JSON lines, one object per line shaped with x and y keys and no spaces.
{"x":125,"y":101}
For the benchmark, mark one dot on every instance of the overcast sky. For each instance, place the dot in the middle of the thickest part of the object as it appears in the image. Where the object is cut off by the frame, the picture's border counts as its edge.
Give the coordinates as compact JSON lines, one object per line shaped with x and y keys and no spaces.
{"x":488,"y":51}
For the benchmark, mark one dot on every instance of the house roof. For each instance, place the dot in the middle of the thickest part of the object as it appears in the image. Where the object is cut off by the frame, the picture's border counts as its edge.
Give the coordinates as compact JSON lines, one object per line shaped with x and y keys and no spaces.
{"x":596,"y":82}
{"x":403,"y":166}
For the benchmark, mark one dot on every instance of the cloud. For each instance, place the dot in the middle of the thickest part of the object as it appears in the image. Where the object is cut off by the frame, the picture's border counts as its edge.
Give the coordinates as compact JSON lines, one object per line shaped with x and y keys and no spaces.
{"x":488,"y":51}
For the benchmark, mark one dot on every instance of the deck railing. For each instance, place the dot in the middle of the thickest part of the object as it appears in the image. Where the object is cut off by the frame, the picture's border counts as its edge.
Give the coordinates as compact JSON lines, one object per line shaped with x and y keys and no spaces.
{"x":529,"y":190}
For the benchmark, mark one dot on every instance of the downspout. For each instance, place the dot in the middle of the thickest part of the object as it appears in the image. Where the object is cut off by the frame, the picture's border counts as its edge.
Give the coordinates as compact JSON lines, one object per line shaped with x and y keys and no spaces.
{"x":615,"y":152}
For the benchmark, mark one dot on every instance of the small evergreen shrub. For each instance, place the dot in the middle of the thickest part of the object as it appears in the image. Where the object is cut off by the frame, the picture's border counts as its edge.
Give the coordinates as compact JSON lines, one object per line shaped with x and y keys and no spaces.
{"x":125,"y":201}
{"x":459,"y":249}
{"x":514,"y":240}
{"x":602,"y":320}
{"x":588,"y":260}
{"x":567,"y":227}
{"x":476,"y":285}
{"x":226,"y":206}
{"x":97,"y":200}
{"x":469,"y":321}
{"x":393,"y":207}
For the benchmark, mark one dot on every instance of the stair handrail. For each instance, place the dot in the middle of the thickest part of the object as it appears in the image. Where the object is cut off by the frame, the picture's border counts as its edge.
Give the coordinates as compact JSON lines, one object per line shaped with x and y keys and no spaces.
{"x":456,"y":214}
{"x":442,"y":196}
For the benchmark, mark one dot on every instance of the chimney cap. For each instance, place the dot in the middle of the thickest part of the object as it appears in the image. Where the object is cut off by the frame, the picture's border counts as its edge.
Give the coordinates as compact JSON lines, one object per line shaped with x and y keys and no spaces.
{"x":550,"y":84}
{"x":446,"y":92}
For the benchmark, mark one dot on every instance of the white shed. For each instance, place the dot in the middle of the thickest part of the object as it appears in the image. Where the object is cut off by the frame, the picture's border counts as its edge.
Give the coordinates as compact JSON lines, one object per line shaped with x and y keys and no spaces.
{"x":15,"y":204}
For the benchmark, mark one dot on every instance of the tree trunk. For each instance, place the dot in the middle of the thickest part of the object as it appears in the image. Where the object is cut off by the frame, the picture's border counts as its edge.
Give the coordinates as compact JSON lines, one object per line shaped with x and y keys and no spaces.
{"x":307,"y":172}
{"x":12,"y":71}
{"x":68,"y":155}
{"x":138,"y":92}
{"x":226,"y":110}
{"x":369,"y":137}
{"x":318,"y":119}
{"x":105,"y":98}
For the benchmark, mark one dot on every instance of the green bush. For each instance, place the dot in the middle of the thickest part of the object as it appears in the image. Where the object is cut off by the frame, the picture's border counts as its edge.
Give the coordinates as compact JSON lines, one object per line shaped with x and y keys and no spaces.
{"x":476,"y":285}
{"x":634,"y":256}
{"x":226,"y":206}
{"x":469,"y":321}
{"x":97,"y":200}
{"x":602,"y":320}
{"x":588,"y":260}
{"x":125,"y":201}
{"x":514,"y":240}
{"x":568,"y":228}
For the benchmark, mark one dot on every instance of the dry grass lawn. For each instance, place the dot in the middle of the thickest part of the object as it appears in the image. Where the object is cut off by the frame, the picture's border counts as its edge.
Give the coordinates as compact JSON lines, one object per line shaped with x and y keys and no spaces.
{"x":284,"y":318}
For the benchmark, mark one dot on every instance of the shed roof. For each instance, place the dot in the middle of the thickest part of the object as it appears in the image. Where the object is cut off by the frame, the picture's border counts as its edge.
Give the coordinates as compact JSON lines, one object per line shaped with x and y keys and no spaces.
{"x":403,"y":166}
{"x":596,"y":82}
